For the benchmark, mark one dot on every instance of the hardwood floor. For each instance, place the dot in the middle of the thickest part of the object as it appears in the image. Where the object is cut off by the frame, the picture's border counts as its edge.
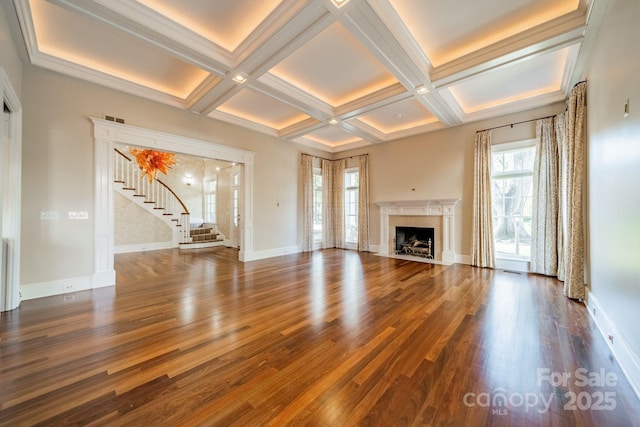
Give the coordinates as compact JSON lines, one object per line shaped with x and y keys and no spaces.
{"x":324,"y":339}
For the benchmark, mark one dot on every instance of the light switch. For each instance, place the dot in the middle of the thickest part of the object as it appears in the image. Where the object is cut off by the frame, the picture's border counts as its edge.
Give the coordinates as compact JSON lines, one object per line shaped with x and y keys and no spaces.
{"x":78,"y":215}
{"x":49,"y":215}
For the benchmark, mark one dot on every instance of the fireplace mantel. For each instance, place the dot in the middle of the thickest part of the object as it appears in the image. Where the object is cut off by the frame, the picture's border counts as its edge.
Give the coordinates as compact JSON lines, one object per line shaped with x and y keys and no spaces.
{"x":435,"y":207}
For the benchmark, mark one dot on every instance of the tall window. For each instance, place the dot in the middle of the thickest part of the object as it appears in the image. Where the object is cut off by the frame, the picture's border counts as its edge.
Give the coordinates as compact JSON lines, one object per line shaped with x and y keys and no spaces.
{"x":512,"y":185}
{"x":351,"y":206}
{"x":317,"y":205}
{"x":210,"y":199}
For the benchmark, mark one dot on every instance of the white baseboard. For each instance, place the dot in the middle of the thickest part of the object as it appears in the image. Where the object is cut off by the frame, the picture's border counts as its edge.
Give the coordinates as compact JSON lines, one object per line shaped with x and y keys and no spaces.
{"x":627,"y":359}
{"x":67,"y":286}
{"x":374,"y":248}
{"x":104,"y":279}
{"x":463,"y":259}
{"x":141,"y":247}
{"x":269,"y":253}
{"x":196,"y":245}
{"x":55,"y":287}
{"x":521,"y":266}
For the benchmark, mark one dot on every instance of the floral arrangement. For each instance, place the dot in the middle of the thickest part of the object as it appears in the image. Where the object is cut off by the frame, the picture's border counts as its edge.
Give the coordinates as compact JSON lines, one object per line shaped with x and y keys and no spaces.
{"x":152,"y":161}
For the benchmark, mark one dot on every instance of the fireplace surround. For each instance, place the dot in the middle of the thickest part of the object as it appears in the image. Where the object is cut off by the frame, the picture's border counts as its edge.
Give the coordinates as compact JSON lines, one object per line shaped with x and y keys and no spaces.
{"x":438,"y":214}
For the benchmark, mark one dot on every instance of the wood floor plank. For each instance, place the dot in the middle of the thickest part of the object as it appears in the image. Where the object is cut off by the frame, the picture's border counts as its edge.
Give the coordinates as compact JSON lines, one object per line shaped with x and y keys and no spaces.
{"x":327,"y":338}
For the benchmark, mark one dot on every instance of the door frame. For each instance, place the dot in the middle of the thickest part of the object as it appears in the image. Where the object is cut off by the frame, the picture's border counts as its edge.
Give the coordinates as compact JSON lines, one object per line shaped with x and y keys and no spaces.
{"x":106,"y":134}
{"x":10,"y":196}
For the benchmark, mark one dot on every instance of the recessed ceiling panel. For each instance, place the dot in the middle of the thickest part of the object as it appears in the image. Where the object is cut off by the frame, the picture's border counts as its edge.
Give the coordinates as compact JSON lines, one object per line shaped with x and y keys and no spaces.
{"x":258,"y":108}
{"x":536,"y":76}
{"x":98,"y":46}
{"x":399,"y":116}
{"x":446,"y":30}
{"x":226,"y":23}
{"x":332,"y":136}
{"x":334,"y":67}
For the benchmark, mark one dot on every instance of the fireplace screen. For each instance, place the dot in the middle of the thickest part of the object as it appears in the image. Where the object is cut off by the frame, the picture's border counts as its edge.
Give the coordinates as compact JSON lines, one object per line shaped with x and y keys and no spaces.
{"x":417,"y":241}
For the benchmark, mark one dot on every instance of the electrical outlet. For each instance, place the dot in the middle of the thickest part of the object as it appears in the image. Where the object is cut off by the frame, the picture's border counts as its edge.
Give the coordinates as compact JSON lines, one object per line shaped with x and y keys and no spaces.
{"x":610,"y":337}
{"x":68,"y":298}
{"x":594,"y":311}
{"x":68,"y":287}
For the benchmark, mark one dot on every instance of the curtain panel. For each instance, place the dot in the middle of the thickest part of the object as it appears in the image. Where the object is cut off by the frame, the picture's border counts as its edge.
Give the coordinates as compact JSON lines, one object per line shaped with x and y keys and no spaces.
{"x":307,"y":202}
{"x":363,"y":204}
{"x":561,"y":136}
{"x":482,"y":251}
{"x":337,"y":196}
{"x":328,"y":227}
{"x":574,"y":250}
{"x":545,"y":227}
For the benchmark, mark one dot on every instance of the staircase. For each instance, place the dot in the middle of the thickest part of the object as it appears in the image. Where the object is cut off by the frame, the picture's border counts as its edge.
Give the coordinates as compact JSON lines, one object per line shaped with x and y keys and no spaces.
{"x":160,"y":200}
{"x":203,"y":237}
{"x":154,"y":196}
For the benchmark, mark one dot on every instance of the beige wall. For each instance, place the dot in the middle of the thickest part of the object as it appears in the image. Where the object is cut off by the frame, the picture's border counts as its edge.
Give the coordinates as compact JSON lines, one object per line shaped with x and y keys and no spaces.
{"x":58,"y":169}
{"x":438,"y":165}
{"x":614,"y":168}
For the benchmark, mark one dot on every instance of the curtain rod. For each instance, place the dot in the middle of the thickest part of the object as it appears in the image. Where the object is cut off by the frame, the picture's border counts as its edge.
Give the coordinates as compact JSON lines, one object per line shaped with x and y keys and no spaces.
{"x":333,"y":160}
{"x":526,"y":121}
{"x":516,"y":123}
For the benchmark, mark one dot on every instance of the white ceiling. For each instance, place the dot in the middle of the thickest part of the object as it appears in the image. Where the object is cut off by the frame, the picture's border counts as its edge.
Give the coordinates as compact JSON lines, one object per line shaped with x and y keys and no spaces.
{"x":307,"y":62}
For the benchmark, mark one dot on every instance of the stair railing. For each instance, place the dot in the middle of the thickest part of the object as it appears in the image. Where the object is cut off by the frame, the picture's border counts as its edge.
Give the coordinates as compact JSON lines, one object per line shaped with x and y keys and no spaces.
{"x":159,"y":196}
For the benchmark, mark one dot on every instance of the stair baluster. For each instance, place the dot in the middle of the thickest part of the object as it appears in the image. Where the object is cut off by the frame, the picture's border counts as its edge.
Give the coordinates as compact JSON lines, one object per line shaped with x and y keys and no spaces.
{"x":158,"y":197}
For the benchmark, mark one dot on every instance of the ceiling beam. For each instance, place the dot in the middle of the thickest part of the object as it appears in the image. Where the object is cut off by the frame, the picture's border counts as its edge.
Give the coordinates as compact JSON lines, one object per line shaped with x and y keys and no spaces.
{"x":556,"y":34}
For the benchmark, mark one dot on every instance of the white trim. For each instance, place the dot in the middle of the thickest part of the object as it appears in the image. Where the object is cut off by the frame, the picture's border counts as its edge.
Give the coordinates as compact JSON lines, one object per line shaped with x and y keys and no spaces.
{"x":10,"y":193}
{"x":196,"y":245}
{"x":628,"y":360}
{"x":107,"y":133}
{"x":56,"y":287}
{"x":512,"y":264}
{"x":513,"y":146}
{"x":441,"y":207}
{"x":270,"y":253}
{"x":142,"y":247}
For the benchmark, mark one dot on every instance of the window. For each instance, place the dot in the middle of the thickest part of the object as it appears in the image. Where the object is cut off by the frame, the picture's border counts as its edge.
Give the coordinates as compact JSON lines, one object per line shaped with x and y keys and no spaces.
{"x":351,"y":206}
{"x":317,"y":205}
{"x":512,"y":185}
{"x":210,"y":187}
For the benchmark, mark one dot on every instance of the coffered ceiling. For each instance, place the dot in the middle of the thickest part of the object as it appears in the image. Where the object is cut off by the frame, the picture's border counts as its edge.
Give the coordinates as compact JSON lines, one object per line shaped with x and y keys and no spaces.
{"x":329,"y":74}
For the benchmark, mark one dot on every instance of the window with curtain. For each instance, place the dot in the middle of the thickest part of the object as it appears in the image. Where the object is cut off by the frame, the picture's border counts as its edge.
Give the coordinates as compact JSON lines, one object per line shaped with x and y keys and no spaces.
{"x":351,"y":184}
{"x":210,"y":199}
{"x":512,"y":192}
{"x":317,"y":205}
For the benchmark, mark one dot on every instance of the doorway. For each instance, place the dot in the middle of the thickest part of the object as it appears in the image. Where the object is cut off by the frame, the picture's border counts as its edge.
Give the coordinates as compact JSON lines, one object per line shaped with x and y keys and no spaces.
{"x":107,"y":134}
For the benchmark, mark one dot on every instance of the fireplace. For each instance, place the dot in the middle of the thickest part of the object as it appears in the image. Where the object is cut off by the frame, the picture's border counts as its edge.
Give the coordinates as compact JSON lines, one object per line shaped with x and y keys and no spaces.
{"x":416,"y":241}
{"x":437,"y":213}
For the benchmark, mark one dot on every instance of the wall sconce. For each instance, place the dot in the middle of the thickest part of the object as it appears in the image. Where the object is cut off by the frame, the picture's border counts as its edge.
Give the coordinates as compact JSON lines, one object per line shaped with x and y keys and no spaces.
{"x":188,"y":179}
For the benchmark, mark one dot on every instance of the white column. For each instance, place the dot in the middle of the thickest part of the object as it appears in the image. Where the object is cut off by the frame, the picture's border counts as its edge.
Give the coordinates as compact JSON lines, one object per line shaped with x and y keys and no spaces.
{"x":104,"y":271}
{"x":448,"y":233}
{"x":384,"y":232}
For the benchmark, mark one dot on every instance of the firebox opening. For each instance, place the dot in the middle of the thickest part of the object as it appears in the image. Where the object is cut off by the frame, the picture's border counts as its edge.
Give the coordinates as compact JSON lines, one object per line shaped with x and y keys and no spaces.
{"x":417,"y":241}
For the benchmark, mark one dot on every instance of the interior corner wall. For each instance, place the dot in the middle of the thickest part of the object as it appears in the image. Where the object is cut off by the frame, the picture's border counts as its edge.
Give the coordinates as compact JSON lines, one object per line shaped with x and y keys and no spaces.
{"x":58,"y":169}
{"x":9,"y":58}
{"x":614,"y":174}
{"x":438,"y":165}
